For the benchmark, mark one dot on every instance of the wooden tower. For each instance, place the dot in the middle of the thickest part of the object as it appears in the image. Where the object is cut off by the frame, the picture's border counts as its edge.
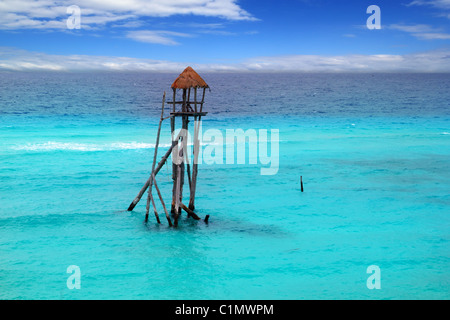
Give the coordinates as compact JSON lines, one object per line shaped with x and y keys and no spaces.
{"x":189,"y":106}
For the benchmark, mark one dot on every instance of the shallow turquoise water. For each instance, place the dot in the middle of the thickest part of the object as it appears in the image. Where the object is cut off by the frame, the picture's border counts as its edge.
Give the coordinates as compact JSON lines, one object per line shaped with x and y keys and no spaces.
{"x":376,"y":193}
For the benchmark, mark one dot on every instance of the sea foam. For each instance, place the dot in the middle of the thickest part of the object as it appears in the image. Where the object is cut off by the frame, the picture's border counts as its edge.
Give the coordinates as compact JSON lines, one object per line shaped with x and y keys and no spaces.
{"x":73,"y":146}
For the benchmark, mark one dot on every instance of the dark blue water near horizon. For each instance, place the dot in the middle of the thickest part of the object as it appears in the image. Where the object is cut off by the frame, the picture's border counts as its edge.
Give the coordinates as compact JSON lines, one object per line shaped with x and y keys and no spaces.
{"x":295,"y":94}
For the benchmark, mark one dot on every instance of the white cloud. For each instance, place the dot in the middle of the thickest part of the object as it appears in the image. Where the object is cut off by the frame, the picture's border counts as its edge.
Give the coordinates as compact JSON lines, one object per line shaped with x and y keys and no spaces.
{"x":51,"y":14}
{"x":156,"y":36}
{"x":21,"y":60}
{"x":442,"y":4}
{"x":433,"y":36}
{"x":432,"y":61}
{"x":421,"y":31}
{"x":418,"y":28}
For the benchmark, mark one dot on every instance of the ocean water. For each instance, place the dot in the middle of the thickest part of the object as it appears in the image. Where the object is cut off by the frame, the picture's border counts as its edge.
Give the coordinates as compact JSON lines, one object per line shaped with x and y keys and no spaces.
{"x":373,"y":151}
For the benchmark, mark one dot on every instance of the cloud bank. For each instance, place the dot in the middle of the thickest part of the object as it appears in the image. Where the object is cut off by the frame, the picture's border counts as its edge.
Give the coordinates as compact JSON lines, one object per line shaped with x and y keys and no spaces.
{"x":52,"y":14}
{"x":432,"y":61}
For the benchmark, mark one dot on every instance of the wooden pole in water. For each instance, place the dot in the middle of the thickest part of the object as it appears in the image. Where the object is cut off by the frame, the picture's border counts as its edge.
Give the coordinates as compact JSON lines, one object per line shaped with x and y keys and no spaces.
{"x":197,"y":124}
{"x":184,"y":155}
{"x":190,"y":212}
{"x":177,"y":191}
{"x":162,"y":202}
{"x":301,"y":183}
{"x":188,"y":165}
{"x":188,"y":169}
{"x":174,"y":168}
{"x":154,"y":209}
{"x":150,"y":197}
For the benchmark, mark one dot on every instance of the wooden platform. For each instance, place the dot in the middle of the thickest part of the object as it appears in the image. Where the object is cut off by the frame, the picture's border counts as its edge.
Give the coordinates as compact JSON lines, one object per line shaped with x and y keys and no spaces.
{"x":189,"y":114}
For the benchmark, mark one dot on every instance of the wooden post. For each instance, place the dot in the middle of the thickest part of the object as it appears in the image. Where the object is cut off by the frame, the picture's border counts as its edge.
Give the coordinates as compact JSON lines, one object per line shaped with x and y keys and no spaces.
{"x":183,"y":155}
{"x":188,"y":169}
{"x":301,"y":183}
{"x":195,"y":98}
{"x":188,"y":98}
{"x":183,"y":106}
{"x":174,"y":169}
{"x":174,"y":98}
{"x":197,"y":124}
{"x":162,"y":202}
{"x":154,"y":210}
{"x":190,"y":212}
{"x":154,"y":164}
{"x":203,"y":99}
{"x":177,"y":190}
{"x":195,"y":164}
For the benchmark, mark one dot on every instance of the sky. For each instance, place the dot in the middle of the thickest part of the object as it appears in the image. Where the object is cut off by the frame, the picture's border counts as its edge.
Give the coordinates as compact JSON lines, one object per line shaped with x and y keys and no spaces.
{"x":225,"y":35}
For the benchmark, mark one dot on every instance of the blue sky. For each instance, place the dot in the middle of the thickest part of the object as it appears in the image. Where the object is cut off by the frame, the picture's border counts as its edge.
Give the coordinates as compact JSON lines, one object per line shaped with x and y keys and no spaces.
{"x":285,"y":35}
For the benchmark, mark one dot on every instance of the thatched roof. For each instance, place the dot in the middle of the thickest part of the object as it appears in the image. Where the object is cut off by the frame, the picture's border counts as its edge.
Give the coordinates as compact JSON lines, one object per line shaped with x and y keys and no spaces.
{"x":189,"y":79}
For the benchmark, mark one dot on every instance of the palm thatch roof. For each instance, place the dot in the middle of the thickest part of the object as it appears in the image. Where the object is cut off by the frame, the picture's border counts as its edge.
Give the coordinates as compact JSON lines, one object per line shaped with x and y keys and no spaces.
{"x":189,"y":79}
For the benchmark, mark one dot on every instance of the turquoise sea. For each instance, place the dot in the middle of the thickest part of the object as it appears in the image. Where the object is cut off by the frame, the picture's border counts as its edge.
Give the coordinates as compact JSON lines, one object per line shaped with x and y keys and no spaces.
{"x":373,"y":151}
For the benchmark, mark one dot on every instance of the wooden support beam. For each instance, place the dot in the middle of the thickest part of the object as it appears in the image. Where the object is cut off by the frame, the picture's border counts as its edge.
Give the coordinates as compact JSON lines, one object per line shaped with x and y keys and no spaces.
{"x":203,"y":100}
{"x":195,"y":99}
{"x":174,"y":171}
{"x":188,"y":113}
{"x":181,"y":102}
{"x":195,"y":164}
{"x":183,"y":107}
{"x":154,"y":209}
{"x":162,"y":202}
{"x":189,"y":96}
{"x":150,"y":197}
{"x":177,"y":195}
{"x":174,"y":98}
{"x":190,"y":212}
{"x":188,"y":169}
{"x":182,"y":154}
